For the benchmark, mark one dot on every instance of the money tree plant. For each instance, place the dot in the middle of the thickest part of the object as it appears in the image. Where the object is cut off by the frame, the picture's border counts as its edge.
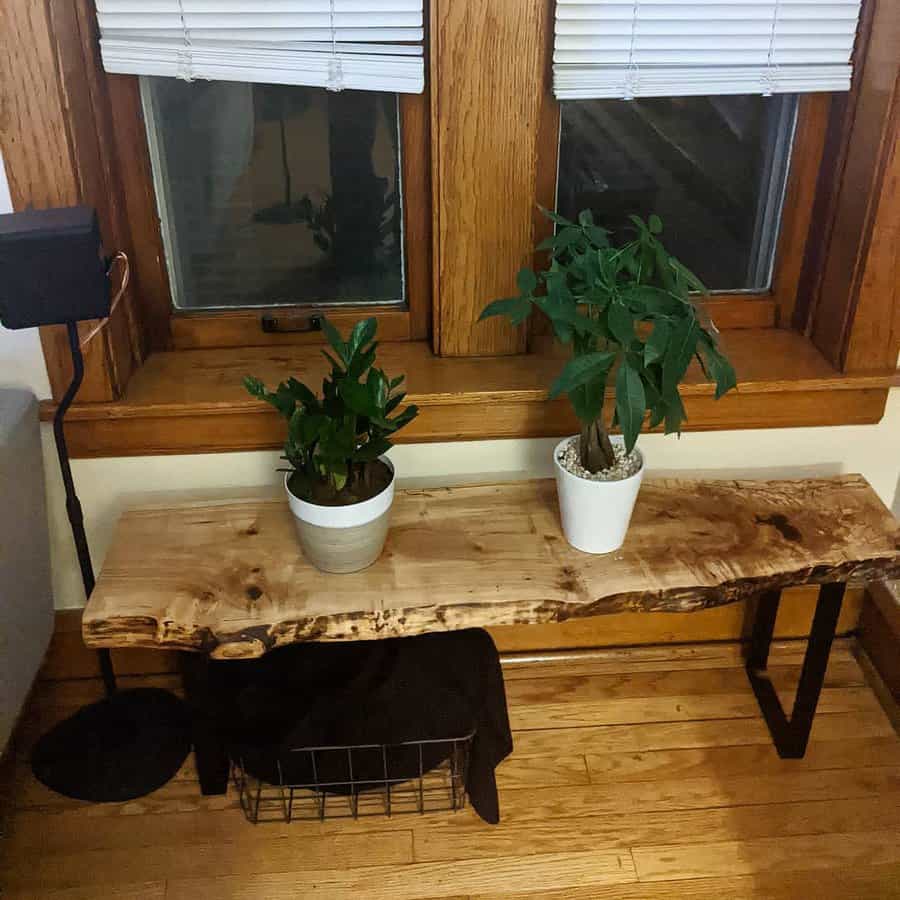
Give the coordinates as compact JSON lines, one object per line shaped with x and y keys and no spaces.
{"x":334,"y":441}
{"x":627,"y":313}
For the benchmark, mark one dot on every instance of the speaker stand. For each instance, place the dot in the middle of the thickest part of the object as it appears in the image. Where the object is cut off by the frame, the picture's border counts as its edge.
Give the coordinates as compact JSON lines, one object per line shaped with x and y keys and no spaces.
{"x":133,"y":741}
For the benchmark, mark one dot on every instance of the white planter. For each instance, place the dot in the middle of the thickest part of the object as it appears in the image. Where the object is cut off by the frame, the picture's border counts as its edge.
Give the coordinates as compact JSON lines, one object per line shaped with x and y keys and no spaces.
{"x":595,"y":514}
{"x":343,"y":538}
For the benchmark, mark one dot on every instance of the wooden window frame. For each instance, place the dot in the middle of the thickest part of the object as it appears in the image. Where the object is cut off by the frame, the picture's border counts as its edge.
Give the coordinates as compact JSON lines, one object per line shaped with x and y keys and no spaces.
{"x":185,"y":330}
{"x":821,"y":354}
{"x":759,"y":309}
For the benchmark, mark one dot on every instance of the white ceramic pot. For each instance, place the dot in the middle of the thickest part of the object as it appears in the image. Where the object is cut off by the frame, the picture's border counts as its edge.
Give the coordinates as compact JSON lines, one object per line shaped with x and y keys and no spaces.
{"x":343,"y":538}
{"x":595,"y":514}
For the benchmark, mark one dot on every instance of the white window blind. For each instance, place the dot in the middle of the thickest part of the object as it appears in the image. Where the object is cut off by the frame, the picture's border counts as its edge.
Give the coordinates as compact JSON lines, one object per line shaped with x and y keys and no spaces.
{"x":371,"y":45}
{"x":652,"y":48}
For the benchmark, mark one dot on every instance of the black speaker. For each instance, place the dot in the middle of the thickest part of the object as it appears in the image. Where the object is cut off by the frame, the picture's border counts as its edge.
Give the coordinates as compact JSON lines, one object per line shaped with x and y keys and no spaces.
{"x":52,"y":268}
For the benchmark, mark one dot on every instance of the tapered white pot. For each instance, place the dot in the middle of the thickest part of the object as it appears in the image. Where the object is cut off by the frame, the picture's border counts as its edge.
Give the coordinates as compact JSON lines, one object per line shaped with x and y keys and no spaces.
{"x":343,"y":539}
{"x":595,"y":514}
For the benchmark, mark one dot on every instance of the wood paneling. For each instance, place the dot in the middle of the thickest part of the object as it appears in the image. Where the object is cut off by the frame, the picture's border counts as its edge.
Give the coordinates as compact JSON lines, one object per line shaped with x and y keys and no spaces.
{"x":488,"y":79}
{"x":879,"y":635}
{"x":475,"y":557}
{"x":874,"y":341}
{"x":243,"y":329}
{"x":704,"y":809}
{"x":865,"y":135}
{"x":194,"y":401}
{"x":57,"y":143}
{"x":806,"y":163}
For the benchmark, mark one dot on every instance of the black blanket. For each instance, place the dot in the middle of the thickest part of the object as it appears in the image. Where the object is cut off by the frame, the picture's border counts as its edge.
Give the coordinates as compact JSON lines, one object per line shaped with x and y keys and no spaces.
{"x":391,"y":691}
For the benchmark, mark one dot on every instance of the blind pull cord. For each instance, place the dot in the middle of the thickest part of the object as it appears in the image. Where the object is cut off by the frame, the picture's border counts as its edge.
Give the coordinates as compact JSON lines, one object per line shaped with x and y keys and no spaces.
{"x":335,"y":67}
{"x":769,"y":78}
{"x":186,"y":52}
{"x":632,"y":76}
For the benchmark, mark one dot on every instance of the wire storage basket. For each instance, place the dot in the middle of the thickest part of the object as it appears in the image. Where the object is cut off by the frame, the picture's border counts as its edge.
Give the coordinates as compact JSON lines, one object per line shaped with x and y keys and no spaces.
{"x":352,"y":781}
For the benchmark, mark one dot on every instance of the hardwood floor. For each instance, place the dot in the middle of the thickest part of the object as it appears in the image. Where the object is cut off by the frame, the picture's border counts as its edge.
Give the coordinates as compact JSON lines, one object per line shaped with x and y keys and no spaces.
{"x":643,"y":773}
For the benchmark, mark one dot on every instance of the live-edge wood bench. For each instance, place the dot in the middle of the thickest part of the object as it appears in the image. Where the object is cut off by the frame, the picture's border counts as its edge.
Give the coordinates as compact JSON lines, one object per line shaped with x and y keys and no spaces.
{"x":227,"y":580}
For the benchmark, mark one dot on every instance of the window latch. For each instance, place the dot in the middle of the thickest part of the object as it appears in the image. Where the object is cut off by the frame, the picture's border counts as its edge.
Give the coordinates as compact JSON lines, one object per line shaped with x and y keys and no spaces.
{"x":290,"y":324}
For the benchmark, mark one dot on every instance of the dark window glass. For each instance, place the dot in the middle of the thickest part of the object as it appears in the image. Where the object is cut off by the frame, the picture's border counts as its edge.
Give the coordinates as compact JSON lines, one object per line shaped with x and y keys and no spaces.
{"x":713,"y":168}
{"x":272,"y":195}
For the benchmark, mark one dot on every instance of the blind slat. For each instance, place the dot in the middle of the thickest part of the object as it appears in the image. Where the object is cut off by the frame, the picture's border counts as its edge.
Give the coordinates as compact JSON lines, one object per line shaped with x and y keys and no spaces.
{"x":634,"y":48}
{"x":354,"y":44}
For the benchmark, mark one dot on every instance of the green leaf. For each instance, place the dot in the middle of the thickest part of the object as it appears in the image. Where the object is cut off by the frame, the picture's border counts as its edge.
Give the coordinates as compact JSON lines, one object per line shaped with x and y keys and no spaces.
{"x":581,"y":370}
{"x":372,"y":450}
{"x":679,"y":352}
{"x":621,"y":323}
{"x":631,"y":402}
{"x":585,"y":218}
{"x":404,"y":418}
{"x":517,"y":308}
{"x":652,"y":301}
{"x":675,"y":414}
{"x":362,"y":333}
{"x":526,"y":281}
{"x":377,"y":386}
{"x":690,"y":279}
{"x":255,"y":387}
{"x":655,"y":224}
{"x":554,"y":216}
{"x":396,"y":382}
{"x":599,"y":236}
{"x":587,"y":401}
{"x":358,"y":398}
{"x":333,"y":336}
{"x":311,"y":427}
{"x":716,"y":365}
{"x":302,"y":393}
{"x":655,"y":346}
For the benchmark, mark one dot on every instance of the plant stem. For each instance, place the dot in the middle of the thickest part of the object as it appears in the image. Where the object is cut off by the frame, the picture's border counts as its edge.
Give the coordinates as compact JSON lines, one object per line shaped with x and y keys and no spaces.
{"x":595,"y":448}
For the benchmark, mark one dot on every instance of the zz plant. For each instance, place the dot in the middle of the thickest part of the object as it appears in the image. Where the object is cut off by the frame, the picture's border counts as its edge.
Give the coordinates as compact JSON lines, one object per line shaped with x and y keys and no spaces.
{"x":333,"y":442}
{"x":626,"y":308}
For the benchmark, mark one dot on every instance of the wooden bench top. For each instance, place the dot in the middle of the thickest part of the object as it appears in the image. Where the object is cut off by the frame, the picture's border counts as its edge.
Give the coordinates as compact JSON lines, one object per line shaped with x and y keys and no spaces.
{"x":229,"y":578}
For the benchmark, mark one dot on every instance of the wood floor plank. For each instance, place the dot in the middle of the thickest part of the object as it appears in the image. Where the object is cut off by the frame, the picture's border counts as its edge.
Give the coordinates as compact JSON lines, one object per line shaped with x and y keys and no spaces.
{"x":420,"y":880}
{"x":660,"y":751}
{"x":470,"y":838}
{"x":667,"y":683}
{"x":256,"y":853}
{"x":526,"y":807}
{"x":865,"y":883}
{"x":150,"y":890}
{"x":542,"y":771}
{"x":754,"y":759}
{"x":783,"y":854}
{"x":671,"y":708}
{"x":639,"y":737}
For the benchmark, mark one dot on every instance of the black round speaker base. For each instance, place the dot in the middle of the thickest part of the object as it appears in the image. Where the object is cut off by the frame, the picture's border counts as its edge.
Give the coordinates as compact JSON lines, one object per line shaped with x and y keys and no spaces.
{"x":120,"y":748}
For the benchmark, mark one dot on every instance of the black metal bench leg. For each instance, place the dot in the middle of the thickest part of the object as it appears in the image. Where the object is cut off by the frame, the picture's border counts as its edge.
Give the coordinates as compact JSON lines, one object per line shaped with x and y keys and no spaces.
{"x":792,"y":735}
{"x":210,"y":755}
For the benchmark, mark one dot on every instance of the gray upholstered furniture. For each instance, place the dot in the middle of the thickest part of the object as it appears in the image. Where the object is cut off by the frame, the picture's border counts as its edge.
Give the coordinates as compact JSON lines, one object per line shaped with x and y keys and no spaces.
{"x":26,"y":597}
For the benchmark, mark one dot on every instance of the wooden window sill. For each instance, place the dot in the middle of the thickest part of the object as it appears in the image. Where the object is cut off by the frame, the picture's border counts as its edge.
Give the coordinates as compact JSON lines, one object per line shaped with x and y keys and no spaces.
{"x":193,"y":401}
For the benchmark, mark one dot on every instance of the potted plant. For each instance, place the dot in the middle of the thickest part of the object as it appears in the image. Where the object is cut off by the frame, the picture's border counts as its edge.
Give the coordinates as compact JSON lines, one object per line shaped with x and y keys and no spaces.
{"x":627,"y":313}
{"x":340,"y":484}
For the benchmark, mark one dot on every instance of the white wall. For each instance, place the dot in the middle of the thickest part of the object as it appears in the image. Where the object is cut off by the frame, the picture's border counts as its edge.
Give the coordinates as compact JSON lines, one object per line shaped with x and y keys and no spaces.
{"x":21,"y":359}
{"x":107,"y":486}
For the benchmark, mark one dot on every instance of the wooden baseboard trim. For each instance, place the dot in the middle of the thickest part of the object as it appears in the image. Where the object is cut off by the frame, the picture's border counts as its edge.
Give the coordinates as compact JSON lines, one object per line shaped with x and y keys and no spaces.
{"x":879,"y":635}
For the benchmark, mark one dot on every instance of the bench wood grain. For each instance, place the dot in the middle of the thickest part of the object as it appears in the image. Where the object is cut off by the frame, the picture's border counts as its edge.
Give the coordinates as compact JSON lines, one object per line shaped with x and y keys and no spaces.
{"x":228,"y":578}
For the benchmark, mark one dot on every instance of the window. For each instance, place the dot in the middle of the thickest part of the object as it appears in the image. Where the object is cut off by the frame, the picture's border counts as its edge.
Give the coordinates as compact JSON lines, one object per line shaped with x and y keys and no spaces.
{"x":274,"y":195}
{"x":715,"y":169}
